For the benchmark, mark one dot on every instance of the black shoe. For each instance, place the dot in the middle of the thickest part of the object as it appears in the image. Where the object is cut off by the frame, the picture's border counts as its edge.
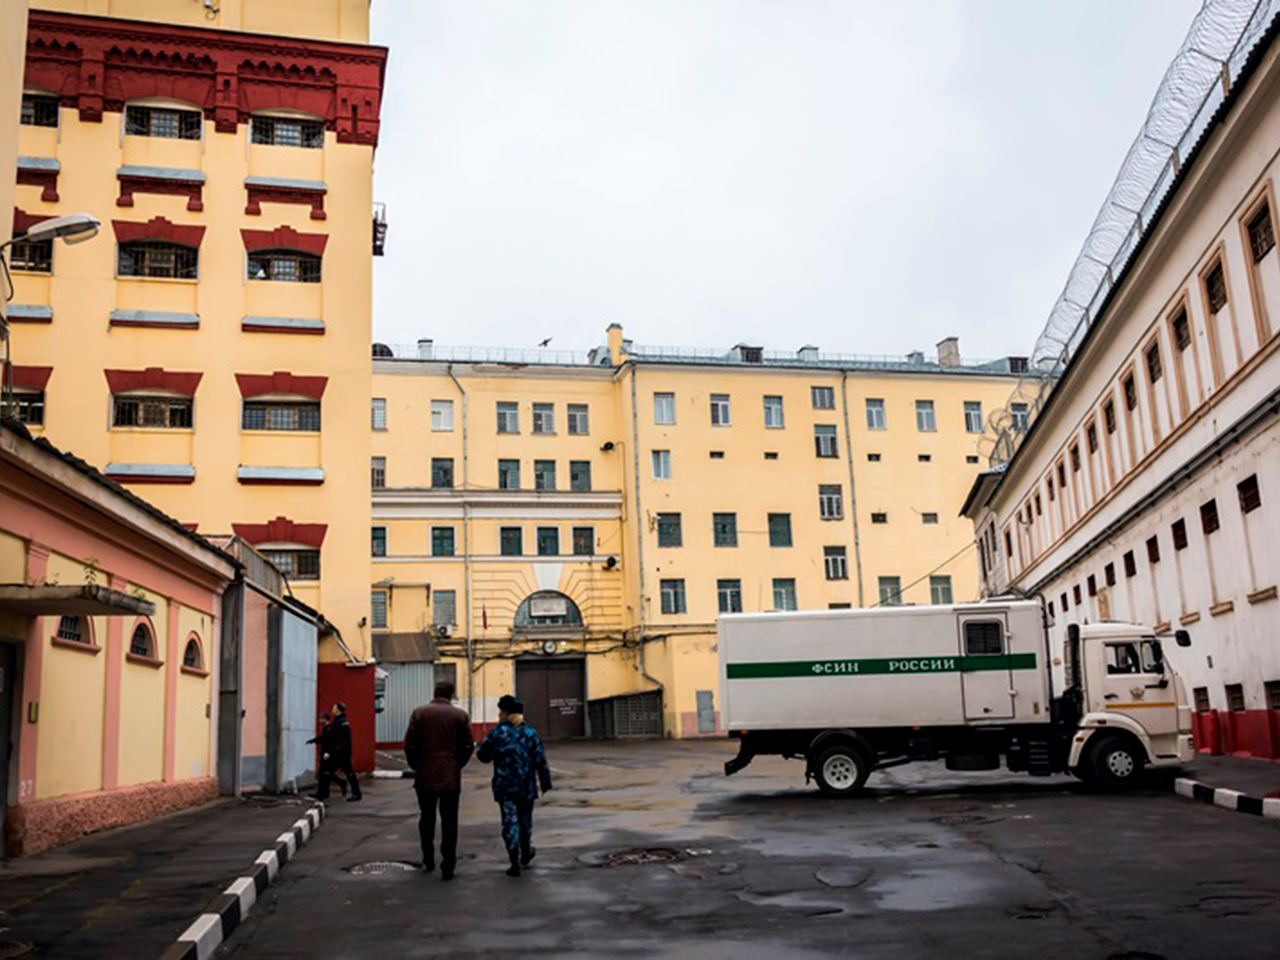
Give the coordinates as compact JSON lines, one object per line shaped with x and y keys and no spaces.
{"x":446,"y":873}
{"x":528,"y":854}
{"x":514,"y":869}
{"x":354,"y":797}
{"x":342,"y":787}
{"x":428,"y":866}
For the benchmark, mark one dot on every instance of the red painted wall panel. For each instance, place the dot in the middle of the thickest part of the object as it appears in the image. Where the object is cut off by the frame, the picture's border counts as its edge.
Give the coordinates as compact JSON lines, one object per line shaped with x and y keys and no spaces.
{"x":353,"y":685}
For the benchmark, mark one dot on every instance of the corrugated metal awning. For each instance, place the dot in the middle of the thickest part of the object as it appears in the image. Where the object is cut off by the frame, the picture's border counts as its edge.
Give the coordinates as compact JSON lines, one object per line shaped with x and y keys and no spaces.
{"x":42,"y":601}
{"x":416,"y":647}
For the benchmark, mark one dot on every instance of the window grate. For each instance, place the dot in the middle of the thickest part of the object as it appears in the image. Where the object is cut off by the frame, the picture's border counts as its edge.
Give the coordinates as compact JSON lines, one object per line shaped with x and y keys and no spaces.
{"x":1130,"y":393}
{"x":288,"y":132}
{"x":512,"y":541}
{"x":670,"y":530}
{"x":1179,"y":530}
{"x":724,"y":528}
{"x":171,"y":413}
{"x":779,"y":529}
{"x":140,"y":643}
{"x":378,"y":473}
{"x":1209,"y":522}
{"x":72,"y":628}
{"x":1153,"y":550}
{"x":1215,"y":288}
{"x":1181,"y":330}
{"x":158,"y":258}
{"x":584,"y":541}
{"x":1130,"y":564}
{"x":26,"y":408}
{"x":544,"y":474}
{"x":983,"y":638}
{"x":39,"y":111}
{"x":1262,"y":236}
{"x":1109,"y":417}
{"x":34,"y":256}
{"x":284,"y":266}
{"x":1155,"y":366}
{"x":1249,"y":494}
{"x":295,"y":564}
{"x":165,"y":123}
{"x":260,"y":415}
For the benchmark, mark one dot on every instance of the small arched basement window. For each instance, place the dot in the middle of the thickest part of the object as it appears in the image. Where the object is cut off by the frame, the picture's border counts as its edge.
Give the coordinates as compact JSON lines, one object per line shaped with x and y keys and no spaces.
{"x":192,"y":656}
{"x":142,"y":643}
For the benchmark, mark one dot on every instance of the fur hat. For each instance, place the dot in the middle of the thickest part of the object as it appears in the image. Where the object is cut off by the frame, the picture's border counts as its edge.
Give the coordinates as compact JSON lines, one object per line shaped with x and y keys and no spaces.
{"x":510,"y":704}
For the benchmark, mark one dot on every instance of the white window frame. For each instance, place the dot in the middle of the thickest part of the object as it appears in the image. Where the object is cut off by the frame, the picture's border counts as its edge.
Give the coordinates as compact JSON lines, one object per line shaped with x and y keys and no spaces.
{"x":826,"y":393}
{"x":827,"y":500}
{"x":774,"y":415}
{"x":508,"y":414}
{"x":664,"y":409}
{"x":661,"y":464}
{"x":578,"y":415}
{"x":973,"y":416}
{"x":935,"y":589}
{"x":544,"y":419}
{"x":926,"y":417}
{"x":378,"y":413}
{"x":835,"y":563}
{"x":721,"y":413}
{"x":876,"y":417}
{"x":442,"y":416}
{"x":826,"y":441}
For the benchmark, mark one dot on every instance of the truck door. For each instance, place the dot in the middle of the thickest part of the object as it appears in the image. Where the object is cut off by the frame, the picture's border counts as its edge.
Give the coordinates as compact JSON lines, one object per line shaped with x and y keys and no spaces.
{"x":986,"y":677}
{"x":1136,"y":683}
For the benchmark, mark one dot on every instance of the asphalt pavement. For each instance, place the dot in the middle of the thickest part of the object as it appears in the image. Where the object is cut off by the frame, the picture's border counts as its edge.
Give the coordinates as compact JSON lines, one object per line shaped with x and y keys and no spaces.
{"x":647,"y":849}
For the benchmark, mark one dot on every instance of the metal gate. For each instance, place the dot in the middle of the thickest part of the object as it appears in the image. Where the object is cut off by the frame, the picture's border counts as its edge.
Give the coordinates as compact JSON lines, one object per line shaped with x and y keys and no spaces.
{"x":626,"y":715}
{"x":553,"y":692}
{"x":407,"y":686}
{"x":291,"y":700}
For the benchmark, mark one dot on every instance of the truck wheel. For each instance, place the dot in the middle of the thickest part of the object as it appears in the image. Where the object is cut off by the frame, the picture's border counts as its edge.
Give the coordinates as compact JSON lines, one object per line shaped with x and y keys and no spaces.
{"x":841,"y":771}
{"x":1115,"y":762}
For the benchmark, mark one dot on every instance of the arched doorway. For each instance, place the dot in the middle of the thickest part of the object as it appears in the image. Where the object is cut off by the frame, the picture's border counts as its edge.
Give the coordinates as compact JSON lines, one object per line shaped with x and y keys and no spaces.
{"x":551,"y":684}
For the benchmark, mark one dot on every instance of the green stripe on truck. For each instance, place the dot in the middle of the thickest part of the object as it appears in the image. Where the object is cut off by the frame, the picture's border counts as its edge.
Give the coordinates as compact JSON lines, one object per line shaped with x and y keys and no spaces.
{"x":834,"y":668}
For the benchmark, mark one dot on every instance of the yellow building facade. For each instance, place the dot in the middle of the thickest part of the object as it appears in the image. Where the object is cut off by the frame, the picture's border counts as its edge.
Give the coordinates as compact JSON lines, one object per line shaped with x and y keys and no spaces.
{"x":210,"y":348}
{"x":571,"y":525}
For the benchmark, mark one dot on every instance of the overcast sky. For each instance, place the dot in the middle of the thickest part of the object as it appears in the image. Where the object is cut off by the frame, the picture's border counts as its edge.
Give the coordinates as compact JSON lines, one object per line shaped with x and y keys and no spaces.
{"x":863,"y":175}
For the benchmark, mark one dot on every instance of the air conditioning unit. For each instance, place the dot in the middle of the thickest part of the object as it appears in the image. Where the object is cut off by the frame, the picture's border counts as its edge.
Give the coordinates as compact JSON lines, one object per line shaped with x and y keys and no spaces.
{"x":443,"y":630}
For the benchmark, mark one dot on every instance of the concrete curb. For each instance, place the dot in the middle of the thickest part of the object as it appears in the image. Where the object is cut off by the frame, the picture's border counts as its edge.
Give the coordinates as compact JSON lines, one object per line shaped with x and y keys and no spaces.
{"x":393,"y":774}
{"x":224,"y":913}
{"x":1228,"y":799}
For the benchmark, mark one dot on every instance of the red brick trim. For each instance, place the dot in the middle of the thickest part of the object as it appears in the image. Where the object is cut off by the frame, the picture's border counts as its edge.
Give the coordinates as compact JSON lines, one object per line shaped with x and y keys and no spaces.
{"x":132,"y":183}
{"x":158,"y":228}
{"x":153,"y":378}
{"x":96,"y":64}
{"x":282,"y":530}
{"x":46,"y":180}
{"x":259,"y":194}
{"x":267,"y":328}
{"x":28,"y":378}
{"x":285,"y":237}
{"x":257,"y":385}
{"x":23,"y":221}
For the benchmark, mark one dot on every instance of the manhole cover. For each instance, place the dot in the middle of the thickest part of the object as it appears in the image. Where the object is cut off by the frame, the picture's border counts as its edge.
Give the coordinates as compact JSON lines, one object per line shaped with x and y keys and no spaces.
{"x":628,"y":858}
{"x":14,"y":948}
{"x":379,"y":868}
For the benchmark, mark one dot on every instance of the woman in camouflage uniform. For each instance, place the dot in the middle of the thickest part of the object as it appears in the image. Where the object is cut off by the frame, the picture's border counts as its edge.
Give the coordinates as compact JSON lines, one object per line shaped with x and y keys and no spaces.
{"x":519,"y":767}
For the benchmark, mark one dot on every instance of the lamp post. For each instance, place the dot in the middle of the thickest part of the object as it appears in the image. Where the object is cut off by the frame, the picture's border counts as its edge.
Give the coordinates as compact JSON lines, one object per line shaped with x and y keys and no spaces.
{"x":73,"y":228}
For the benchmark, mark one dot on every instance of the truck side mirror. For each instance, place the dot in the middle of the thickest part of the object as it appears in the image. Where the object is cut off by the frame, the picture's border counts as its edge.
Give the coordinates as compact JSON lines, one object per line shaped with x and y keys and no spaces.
{"x":1182,"y":638}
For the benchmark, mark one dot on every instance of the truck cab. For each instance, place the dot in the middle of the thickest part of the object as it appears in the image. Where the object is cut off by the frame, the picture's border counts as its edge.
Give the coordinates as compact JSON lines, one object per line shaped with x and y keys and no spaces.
{"x":1129,"y":705}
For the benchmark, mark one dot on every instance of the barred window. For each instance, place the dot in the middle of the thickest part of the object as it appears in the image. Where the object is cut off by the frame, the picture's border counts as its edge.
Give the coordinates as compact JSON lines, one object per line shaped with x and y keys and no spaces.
{"x":670,"y":530}
{"x":724,"y":527}
{"x":443,"y":541}
{"x":295,"y":564}
{"x":1249,"y":494}
{"x":378,"y":609}
{"x":160,"y":412}
{"x":508,"y":474}
{"x":442,"y":473}
{"x":286,"y":266}
{"x":264,"y":415}
{"x":74,"y":628}
{"x":288,"y":132}
{"x":1130,"y":393}
{"x":1261,"y":234}
{"x":34,"y":256}
{"x":511,"y":541}
{"x":1215,"y":288}
{"x":166,"y":122}
{"x":1179,"y":530}
{"x":141,"y":643}
{"x":580,"y":475}
{"x":1181,"y":330}
{"x":192,"y":657}
{"x":39,"y":110}
{"x":779,"y":529}
{"x":378,"y":473}
{"x":544,"y":474}
{"x":26,"y":408}
{"x":584,"y":541}
{"x":1109,"y":417}
{"x":1155,"y":366}
{"x":378,"y":541}
{"x":1021,"y":415}
{"x":548,"y":541}
{"x":158,"y":258}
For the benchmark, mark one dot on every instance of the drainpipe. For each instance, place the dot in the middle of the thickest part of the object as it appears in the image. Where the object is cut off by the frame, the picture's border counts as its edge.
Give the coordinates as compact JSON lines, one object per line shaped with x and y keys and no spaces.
{"x":638,"y":513}
{"x":466,"y":551}
{"x":853,"y":489}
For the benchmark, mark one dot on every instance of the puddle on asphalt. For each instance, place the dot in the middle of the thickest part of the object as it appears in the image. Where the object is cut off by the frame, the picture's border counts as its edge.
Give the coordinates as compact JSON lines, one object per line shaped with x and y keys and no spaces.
{"x":927,"y":890}
{"x":793,"y":901}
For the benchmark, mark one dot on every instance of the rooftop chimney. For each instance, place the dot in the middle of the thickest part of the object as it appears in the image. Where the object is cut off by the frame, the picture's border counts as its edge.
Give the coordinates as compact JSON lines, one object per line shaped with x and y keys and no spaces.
{"x":915,"y":357}
{"x":949,"y":352}
{"x":808,"y":353}
{"x":618,"y":345}
{"x":426,"y":349}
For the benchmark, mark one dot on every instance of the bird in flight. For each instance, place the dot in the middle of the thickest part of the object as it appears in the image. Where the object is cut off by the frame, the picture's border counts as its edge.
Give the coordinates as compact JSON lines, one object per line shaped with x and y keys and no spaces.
{"x":543,"y":343}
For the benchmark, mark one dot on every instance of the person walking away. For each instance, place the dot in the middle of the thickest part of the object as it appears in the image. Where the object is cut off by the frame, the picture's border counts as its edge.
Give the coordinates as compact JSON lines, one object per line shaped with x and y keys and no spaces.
{"x":340,"y":749}
{"x":519,"y":768}
{"x":437,"y":744}
{"x":323,"y":741}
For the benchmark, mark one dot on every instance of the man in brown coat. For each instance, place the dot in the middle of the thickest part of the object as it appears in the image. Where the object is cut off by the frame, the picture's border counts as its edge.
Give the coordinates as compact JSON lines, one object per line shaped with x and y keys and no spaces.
{"x":438,"y":745}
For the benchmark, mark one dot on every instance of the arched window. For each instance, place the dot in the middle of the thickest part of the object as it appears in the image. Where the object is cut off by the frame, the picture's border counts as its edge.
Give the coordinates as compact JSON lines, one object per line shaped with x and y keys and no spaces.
{"x":192,"y":655}
{"x":158,"y":258}
{"x":142,"y":642}
{"x":547,"y":608}
{"x":289,"y":266}
{"x":162,"y":119}
{"x":288,"y":130}
{"x":75,"y":629}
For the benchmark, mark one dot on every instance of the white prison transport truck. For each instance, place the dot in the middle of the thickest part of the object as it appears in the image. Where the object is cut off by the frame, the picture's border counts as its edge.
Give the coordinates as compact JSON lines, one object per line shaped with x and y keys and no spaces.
{"x":851,"y":691}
